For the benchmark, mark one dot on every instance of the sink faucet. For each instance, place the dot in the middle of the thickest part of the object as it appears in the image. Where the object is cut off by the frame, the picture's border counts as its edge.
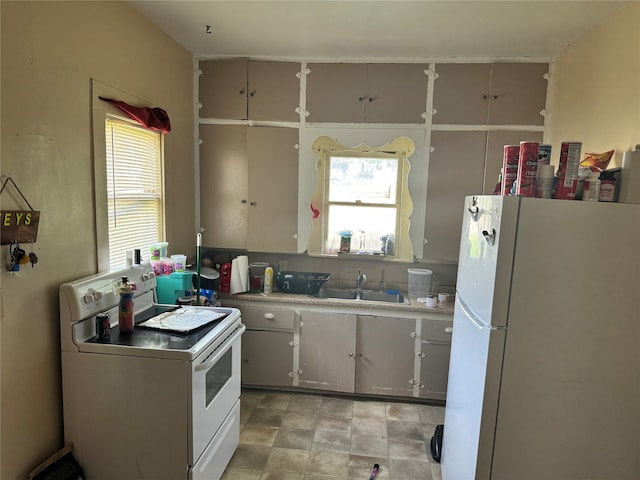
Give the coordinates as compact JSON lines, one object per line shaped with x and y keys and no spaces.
{"x":360,"y":281}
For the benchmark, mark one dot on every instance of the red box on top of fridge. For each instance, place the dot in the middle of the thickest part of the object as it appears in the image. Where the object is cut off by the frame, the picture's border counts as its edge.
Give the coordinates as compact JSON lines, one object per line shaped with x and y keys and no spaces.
{"x":509,"y":167}
{"x":567,"y":181}
{"x":527,"y":169}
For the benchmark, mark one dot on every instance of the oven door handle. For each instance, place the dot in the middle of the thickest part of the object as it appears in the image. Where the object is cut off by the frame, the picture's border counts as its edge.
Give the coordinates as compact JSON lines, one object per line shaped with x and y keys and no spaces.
{"x":226,"y":344}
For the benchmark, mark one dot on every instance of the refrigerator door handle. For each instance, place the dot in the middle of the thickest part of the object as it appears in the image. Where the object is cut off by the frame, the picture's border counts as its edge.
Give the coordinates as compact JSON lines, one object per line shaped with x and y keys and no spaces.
{"x":473,"y":318}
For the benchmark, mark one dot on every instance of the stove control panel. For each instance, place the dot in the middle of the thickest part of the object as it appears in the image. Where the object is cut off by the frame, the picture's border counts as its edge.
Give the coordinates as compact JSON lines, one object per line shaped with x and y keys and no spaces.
{"x":89,"y":296}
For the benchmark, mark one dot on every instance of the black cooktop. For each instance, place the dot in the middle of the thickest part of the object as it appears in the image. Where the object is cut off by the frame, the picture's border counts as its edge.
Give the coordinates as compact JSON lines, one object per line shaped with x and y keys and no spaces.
{"x":151,"y":338}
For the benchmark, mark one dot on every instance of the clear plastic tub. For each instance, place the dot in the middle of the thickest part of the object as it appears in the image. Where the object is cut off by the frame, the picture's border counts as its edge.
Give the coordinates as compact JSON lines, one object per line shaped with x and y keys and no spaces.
{"x":419,"y":282}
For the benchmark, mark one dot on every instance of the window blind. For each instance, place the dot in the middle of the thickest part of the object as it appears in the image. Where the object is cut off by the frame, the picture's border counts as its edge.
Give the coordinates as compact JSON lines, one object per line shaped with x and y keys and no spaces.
{"x":134,"y":188}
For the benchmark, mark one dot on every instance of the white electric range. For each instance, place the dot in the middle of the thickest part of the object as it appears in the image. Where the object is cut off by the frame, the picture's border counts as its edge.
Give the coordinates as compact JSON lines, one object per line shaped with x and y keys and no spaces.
{"x":161,"y":402}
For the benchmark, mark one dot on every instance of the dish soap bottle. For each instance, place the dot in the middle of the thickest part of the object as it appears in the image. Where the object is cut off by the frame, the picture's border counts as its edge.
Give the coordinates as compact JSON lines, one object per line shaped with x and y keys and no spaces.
{"x":125,"y":307}
{"x":268,"y":280}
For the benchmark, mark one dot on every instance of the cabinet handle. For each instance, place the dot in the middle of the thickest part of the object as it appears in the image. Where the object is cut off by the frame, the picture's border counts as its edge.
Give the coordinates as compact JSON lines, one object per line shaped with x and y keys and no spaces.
{"x":420,"y":355}
{"x":448,"y":330}
{"x":352,"y":355}
{"x":244,"y":200}
{"x":362,"y":99}
{"x":269,"y":316}
{"x":242,"y":91}
{"x":252,"y":93}
{"x":485,"y":97}
{"x":253,"y":204}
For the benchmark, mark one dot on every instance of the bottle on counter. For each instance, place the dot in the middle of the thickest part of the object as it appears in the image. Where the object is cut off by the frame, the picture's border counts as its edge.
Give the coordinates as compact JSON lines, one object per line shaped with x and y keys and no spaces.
{"x":268,"y":280}
{"x":125,"y":307}
{"x":591,"y":190}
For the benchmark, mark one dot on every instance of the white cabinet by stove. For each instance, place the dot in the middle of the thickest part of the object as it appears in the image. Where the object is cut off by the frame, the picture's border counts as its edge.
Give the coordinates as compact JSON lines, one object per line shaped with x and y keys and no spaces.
{"x":267,"y":346}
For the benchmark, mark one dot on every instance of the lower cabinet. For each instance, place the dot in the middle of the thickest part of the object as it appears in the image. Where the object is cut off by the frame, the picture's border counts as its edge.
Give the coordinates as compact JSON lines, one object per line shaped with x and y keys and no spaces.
{"x":435,"y":348}
{"x":267,"y":346}
{"x":350,"y":351}
{"x":267,"y":358}
{"x":368,"y":354}
{"x":327,"y":351}
{"x":385,"y":355}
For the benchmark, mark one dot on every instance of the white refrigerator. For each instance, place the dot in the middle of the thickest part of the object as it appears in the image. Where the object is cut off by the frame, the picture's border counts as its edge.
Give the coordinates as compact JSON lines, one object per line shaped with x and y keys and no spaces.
{"x":544,"y":376}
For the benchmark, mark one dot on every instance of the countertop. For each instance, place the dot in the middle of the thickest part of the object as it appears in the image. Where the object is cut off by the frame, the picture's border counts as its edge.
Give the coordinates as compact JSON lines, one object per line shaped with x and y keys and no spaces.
{"x":279,"y":297}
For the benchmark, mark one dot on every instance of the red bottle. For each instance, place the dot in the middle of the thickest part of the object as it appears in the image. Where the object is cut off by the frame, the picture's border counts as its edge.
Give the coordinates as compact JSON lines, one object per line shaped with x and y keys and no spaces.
{"x":225,"y":277}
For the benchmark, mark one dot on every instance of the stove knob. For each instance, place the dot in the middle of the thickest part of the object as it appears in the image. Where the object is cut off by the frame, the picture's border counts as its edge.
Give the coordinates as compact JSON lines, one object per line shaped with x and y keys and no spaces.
{"x":88,"y":298}
{"x":97,"y":295}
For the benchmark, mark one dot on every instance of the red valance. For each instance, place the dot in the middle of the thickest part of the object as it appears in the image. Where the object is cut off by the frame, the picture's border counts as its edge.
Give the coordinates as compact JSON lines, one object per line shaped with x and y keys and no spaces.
{"x":154,"y":118}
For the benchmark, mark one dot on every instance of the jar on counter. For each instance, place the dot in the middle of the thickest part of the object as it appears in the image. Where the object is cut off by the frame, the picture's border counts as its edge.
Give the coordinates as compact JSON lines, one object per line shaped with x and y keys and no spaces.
{"x":591,"y":190}
{"x":607,"y":186}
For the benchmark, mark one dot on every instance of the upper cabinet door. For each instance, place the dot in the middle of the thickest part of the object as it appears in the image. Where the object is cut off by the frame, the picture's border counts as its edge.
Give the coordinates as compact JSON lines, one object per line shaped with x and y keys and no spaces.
{"x":460,"y":93}
{"x":223,"y":89}
{"x":518,"y":93}
{"x":336,"y":92}
{"x":273,"y":190}
{"x":274,"y":91}
{"x":396,"y":93}
{"x":490,"y":94}
{"x":223,"y":185}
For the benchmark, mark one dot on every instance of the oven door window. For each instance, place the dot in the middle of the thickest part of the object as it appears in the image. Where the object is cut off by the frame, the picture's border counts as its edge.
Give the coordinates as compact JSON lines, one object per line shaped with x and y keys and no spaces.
{"x":218,"y":376}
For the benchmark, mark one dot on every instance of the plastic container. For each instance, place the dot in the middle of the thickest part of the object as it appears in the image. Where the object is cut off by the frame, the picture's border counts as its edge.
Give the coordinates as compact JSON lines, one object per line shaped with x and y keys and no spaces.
{"x":157,"y":267}
{"x":168,"y":265}
{"x":257,"y":276}
{"x":544,"y":181}
{"x":591,"y":189}
{"x":419,"y":282}
{"x":158,"y":250}
{"x":170,"y":288}
{"x":607,"y":186}
{"x":179,"y":263}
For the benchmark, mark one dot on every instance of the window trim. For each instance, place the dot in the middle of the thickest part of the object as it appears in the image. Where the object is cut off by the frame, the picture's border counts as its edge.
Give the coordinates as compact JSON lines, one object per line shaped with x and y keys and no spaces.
{"x":100,"y":110}
{"x":325,"y":148}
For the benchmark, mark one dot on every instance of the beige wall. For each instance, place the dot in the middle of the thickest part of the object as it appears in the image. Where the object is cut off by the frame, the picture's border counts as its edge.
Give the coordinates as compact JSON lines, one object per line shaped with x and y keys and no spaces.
{"x":595,"y":88}
{"x":50,"y":53}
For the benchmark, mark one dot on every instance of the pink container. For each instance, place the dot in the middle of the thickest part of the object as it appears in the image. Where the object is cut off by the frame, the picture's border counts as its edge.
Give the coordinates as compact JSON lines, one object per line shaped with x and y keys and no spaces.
{"x":509,"y":167}
{"x":168,"y":265}
{"x":527,"y":169}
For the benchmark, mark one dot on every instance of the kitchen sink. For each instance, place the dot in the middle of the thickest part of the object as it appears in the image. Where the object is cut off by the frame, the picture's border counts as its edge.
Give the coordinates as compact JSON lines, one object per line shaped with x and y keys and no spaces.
{"x":365,"y":295}
{"x":344,"y":293}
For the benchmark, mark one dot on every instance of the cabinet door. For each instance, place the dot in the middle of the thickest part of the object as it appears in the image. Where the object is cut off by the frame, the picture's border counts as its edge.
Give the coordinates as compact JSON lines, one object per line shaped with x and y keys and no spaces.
{"x":518,"y":93}
{"x":385,"y":355}
{"x":223,"y":89}
{"x":456,"y":168}
{"x":273,"y":190}
{"x":274,"y":91}
{"x":223,"y":185}
{"x":267,"y":358}
{"x":460,"y":94}
{"x":434,"y":364}
{"x":327,"y":351}
{"x":496,"y":140}
{"x":396,"y":93}
{"x":336,"y":92}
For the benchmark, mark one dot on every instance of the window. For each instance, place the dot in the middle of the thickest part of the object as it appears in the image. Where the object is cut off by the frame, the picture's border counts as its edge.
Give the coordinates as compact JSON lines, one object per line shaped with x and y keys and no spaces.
{"x":134,"y":188}
{"x":362,"y":200}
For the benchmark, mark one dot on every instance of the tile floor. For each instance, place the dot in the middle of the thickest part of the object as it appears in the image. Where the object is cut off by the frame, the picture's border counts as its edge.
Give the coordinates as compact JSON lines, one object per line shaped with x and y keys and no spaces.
{"x":300,"y":436}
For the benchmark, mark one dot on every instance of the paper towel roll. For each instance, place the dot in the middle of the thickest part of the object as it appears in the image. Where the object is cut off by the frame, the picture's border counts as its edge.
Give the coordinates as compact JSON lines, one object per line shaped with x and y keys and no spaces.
{"x":239,"y":275}
{"x":630,"y":177}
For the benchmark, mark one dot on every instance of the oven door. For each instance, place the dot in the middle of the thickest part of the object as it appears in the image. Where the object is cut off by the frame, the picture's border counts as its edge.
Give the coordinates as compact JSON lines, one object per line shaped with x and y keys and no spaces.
{"x":215,"y":390}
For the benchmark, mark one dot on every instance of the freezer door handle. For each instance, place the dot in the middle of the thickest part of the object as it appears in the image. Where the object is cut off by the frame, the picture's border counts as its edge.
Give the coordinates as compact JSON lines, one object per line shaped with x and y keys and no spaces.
{"x":474,"y":209}
{"x":473,"y":318}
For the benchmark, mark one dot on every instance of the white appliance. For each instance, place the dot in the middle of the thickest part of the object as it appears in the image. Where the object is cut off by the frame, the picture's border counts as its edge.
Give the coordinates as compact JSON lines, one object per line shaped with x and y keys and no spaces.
{"x":544,"y":376}
{"x":155,"y":403}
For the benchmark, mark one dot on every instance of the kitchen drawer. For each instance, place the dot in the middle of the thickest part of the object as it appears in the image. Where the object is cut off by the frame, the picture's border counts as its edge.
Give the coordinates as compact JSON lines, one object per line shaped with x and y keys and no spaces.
{"x":267,"y":318}
{"x":437,"y":331}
